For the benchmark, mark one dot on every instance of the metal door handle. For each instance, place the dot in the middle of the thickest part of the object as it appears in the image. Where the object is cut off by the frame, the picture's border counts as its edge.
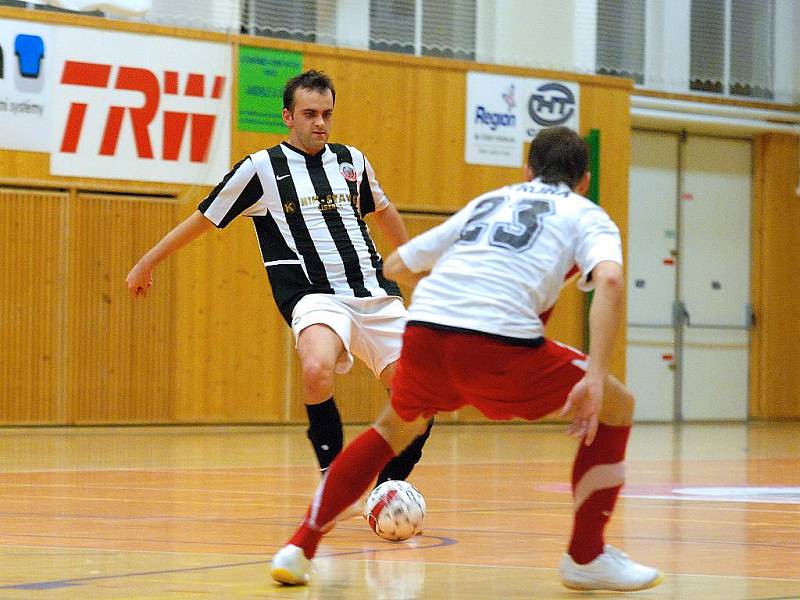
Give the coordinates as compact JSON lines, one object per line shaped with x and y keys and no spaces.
{"x":680,"y":314}
{"x":749,"y":316}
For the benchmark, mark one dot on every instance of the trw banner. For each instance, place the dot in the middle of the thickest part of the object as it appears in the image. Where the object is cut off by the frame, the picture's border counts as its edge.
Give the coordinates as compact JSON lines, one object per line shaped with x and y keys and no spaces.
{"x":505,"y":112}
{"x":140,"y":107}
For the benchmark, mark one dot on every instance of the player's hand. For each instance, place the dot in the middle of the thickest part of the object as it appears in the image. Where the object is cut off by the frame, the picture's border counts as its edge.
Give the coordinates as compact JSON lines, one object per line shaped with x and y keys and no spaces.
{"x":139,"y":280}
{"x":583,"y":403}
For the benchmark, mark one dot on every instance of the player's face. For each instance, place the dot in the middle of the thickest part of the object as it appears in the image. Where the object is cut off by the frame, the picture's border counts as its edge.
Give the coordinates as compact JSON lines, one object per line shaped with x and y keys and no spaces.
{"x":310,"y":121}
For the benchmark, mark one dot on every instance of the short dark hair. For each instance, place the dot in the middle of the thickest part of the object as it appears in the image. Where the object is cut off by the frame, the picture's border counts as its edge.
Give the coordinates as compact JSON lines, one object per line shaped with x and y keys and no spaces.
{"x":310,"y":80}
{"x":558,"y":155}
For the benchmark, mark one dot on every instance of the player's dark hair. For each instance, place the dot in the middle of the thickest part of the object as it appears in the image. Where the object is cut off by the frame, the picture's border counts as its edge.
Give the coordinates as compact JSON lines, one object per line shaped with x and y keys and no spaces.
{"x":558,"y":155}
{"x":310,"y":80}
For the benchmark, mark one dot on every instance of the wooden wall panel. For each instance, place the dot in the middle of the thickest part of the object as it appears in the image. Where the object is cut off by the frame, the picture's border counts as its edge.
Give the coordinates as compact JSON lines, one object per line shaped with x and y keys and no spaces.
{"x":775,"y":363}
{"x":231,"y":356}
{"x":233,"y":351}
{"x":23,"y":165}
{"x":31,"y":273}
{"x":295,"y":411}
{"x":120,"y":353}
{"x":413,"y":132}
{"x":757,"y":347}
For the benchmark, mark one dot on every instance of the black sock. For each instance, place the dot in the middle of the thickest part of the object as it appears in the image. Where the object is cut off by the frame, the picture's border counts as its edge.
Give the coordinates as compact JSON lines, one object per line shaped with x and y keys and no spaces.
{"x":401,"y":465}
{"x":325,"y":431}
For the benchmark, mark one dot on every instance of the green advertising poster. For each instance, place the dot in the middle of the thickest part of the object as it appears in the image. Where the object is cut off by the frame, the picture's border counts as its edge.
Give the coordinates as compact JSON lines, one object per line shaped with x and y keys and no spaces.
{"x":262,"y":75}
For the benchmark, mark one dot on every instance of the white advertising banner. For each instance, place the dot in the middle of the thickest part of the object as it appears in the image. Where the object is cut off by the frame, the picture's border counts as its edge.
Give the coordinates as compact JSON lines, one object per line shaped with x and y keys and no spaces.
{"x":505,"y":112}
{"x":25,"y":101}
{"x":140,"y":107}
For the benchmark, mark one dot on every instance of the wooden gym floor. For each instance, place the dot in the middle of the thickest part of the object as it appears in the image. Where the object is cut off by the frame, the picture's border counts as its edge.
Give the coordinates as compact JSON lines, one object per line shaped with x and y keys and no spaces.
{"x":184,"y":513}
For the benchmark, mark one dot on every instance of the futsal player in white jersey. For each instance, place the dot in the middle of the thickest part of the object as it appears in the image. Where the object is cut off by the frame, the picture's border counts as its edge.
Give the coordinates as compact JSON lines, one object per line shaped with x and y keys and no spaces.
{"x":475,"y":337}
{"x":308,"y":199}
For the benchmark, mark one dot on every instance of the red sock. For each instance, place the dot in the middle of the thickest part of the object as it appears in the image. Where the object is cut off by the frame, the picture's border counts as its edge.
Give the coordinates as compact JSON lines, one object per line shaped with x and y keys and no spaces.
{"x":597,"y":476}
{"x":347,"y":478}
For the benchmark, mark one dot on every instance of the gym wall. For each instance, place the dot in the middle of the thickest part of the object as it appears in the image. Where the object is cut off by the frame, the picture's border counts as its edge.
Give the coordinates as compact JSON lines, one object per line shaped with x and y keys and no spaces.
{"x":208,"y":345}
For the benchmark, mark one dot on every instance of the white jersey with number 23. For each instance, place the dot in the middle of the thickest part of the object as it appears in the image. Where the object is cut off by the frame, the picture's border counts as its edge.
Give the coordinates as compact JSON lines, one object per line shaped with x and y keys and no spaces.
{"x":501,"y":261}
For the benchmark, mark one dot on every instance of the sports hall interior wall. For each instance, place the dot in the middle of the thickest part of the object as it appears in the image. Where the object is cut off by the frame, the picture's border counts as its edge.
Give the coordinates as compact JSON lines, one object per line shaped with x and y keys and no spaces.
{"x":208,"y":345}
{"x":774,"y":360}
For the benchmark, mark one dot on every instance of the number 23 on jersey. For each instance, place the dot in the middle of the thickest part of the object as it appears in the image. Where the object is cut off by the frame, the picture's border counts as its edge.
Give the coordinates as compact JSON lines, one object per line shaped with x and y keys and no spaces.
{"x":516,"y":235}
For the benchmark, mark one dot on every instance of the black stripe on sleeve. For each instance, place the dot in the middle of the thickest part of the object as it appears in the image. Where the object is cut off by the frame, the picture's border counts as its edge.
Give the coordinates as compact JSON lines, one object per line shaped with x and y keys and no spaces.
{"x":330,"y":212}
{"x":215,"y":192}
{"x":250,"y":194}
{"x":297,"y":225}
{"x":367,"y":201}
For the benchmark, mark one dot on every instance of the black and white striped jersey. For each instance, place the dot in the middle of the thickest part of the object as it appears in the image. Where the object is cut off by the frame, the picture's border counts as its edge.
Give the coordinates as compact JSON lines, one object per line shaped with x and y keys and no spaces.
{"x":308,"y":215}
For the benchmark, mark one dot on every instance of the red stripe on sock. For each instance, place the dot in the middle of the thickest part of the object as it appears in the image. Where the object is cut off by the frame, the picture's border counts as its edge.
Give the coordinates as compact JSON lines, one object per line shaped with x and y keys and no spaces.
{"x":587,"y":535}
{"x":347,"y":479}
{"x":608,"y":448}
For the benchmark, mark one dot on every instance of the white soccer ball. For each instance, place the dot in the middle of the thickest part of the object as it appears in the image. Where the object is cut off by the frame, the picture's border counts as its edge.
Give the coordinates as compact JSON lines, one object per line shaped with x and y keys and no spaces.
{"x":395,"y":510}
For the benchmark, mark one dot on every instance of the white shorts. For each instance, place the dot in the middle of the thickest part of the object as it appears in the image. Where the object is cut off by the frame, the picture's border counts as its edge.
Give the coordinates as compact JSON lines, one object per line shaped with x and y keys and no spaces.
{"x":370,"y":328}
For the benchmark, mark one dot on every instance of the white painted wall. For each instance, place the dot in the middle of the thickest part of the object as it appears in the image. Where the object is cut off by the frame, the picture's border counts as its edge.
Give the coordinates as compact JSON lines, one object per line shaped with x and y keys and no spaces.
{"x":219,"y":15}
{"x":536,"y":33}
{"x":787,"y":50}
{"x":666,"y":63}
{"x":114,"y":7}
{"x":352,"y":23}
{"x":794,"y":51}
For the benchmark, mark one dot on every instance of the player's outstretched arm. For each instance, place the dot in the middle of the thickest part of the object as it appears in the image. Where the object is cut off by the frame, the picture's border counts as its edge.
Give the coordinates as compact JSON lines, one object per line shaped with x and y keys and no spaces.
{"x":586,"y":398}
{"x":140,"y":278}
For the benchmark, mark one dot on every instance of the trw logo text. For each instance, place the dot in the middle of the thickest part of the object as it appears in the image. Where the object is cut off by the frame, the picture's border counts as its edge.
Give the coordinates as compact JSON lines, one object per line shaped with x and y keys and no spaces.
{"x":142,"y":114}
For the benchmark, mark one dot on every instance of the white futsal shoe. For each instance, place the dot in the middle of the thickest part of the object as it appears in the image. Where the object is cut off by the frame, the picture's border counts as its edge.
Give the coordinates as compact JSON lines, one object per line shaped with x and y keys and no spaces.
{"x":613,"y":570}
{"x":290,"y":566}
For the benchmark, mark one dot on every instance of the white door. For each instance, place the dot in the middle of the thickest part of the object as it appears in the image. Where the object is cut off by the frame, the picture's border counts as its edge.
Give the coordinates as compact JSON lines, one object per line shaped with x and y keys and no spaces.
{"x":714,"y":273}
{"x":651,"y":275}
{"x":694,"y":193}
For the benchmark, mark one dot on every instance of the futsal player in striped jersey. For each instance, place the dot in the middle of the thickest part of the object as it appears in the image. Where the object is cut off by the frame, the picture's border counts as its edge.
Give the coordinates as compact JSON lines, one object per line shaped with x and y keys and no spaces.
{"x":475,"y":337}
{"x":308,"y":200}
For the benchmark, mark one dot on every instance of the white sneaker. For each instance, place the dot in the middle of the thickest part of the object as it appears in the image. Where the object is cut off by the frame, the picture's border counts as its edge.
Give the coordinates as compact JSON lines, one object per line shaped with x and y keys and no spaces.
{"x":612,"y":570}
{"x":290,"y":566}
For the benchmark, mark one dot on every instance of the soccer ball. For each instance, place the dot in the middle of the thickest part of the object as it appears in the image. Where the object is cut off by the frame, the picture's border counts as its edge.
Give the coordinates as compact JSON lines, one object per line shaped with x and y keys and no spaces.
{"x":395,"y":510}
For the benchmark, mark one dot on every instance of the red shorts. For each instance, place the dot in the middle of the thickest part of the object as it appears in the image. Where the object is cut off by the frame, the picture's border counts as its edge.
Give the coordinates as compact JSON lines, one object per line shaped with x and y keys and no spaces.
{"x":441,"y":371}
